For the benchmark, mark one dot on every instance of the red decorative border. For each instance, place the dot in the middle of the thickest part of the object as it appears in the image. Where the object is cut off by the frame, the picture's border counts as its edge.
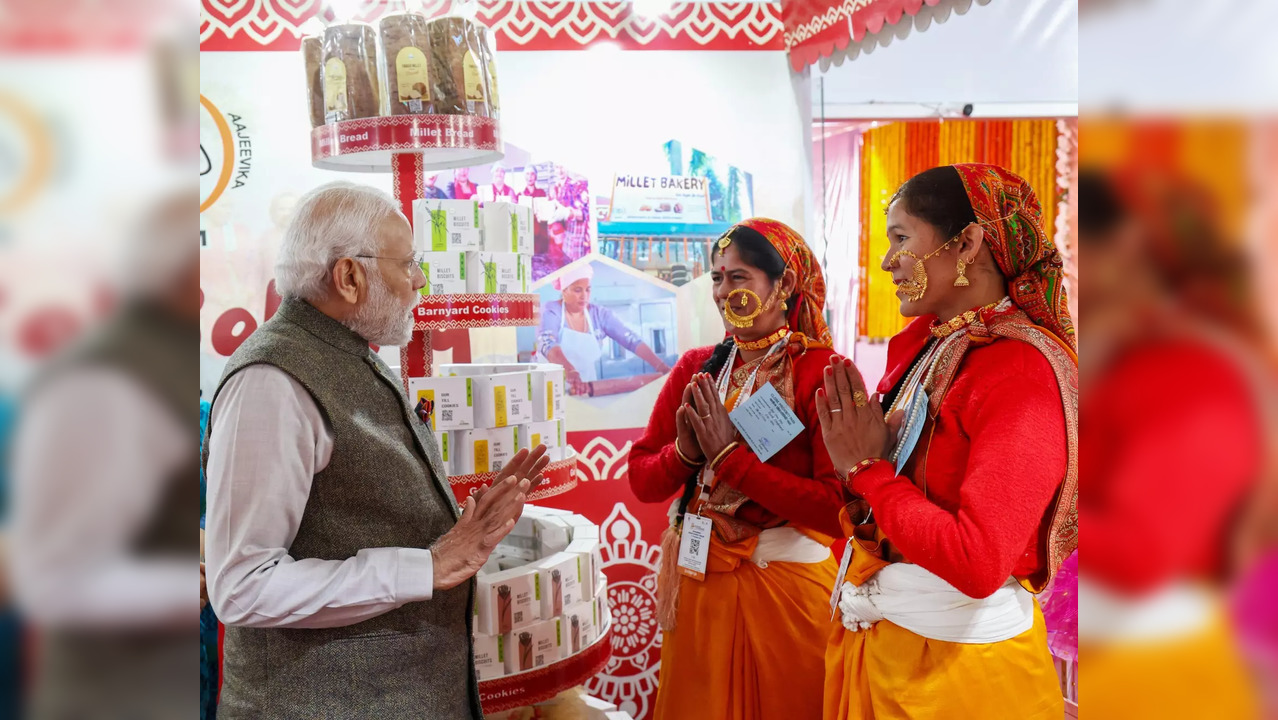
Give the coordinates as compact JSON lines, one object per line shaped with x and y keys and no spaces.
{"x":542,"y":684}
{"x":817,"y":28}
{"x":241,"y":25}
{"x":561,"y":476}
{"x":448,"y":312}
{"x":404,"y":132}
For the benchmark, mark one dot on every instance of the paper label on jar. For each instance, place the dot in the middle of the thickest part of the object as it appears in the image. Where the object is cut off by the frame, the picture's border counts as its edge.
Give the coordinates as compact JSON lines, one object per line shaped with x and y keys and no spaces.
{"x":492,"y":83}
{"x":334,"y":90}
{"x":411,"y":74}
{"x":472,"y":77}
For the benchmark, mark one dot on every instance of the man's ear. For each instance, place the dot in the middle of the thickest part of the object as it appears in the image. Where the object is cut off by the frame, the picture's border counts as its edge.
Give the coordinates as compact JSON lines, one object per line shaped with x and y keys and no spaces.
{"x":348,"y":277}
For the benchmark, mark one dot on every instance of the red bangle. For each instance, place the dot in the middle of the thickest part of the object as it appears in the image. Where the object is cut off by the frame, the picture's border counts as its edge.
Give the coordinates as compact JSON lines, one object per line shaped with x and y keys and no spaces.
{"x":857,"y":468}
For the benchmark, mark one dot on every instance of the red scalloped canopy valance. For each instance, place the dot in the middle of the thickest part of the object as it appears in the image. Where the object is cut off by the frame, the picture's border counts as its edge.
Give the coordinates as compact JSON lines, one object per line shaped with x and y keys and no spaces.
{"x":817,"y":28}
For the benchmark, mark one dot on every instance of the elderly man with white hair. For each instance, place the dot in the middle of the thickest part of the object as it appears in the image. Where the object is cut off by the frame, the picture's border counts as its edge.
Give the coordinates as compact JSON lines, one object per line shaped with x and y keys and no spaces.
{"x":336,"y":554}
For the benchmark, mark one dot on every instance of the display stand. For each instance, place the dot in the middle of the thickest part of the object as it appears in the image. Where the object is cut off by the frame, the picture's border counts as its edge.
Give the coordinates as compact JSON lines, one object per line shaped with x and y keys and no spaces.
{"x":408,"y":146}
{"x":542,"y":684}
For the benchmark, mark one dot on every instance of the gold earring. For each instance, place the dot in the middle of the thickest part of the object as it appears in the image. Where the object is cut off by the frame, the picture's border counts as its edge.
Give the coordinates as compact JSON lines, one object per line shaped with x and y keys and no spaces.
{"x":962,"y":277}
{"x":784,"y":306}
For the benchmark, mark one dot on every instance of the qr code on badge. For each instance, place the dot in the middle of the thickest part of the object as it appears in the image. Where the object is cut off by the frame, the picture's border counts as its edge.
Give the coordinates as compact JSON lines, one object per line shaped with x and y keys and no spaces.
{"x":446,"y":415}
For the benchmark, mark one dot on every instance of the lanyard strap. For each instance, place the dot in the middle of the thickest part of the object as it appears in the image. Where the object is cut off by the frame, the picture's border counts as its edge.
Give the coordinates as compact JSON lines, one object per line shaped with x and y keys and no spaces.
{"x":748,"y":389}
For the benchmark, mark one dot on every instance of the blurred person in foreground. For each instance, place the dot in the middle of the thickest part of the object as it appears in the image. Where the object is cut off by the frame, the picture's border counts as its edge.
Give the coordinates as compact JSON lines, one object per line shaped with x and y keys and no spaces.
{"x":972,"y":477}
{"x":337,"y":557}
{"x":105,"y":501}
{"x":1172,"y":410}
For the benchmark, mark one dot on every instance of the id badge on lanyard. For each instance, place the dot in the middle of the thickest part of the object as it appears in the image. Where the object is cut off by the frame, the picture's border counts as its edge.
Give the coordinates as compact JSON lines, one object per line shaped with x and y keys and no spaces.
{"x":694,"y":546}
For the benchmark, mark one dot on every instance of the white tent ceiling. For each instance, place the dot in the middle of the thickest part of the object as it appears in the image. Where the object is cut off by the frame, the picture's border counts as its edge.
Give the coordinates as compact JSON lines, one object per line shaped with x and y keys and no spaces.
{"x":1008,"y":58}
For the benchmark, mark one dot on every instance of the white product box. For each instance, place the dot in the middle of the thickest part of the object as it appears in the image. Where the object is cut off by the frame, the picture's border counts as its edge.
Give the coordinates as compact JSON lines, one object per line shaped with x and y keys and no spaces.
{"x":524,"y":526}
{"x":510,"y":562}
{"x":603,"y":613}
{"x":523,"y":435}
{"x":548,"y":392}
{"x":493,"y":272}
{"x":522,"y":549}
{"x":507,"y":601}
{"x":450,"y":401}
{"x":447,"y":225}
{"x":546,"y":432}
{"x":501,"y":399}
{"x":537,"y":511}
{"x":507,"y":228}
{"x":444,"y":442}
{"x":579,"y":627}
{"x":445,"y":273}
{"x":582,"y":528}
{"x":593,"y":550}
{"x":481,"y":451}
{"x":475,"y":369}
{"x":491,"y":565}
{"x":598,"y":704}
{"x":525,"y":271}
{"x":554,"y":534}
{"x":559,"y":578}
{"x":490,"y":661}
{"x":532,"y":647}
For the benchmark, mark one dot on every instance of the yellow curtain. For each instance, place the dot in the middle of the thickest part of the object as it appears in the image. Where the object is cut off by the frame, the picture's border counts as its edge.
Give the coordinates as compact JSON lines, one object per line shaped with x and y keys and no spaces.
{"x":894,"y":152}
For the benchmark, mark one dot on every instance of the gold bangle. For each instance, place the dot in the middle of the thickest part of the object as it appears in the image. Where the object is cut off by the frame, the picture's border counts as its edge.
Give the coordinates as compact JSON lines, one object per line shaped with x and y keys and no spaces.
{"x":690,"y":463}
{"x":723,"y":454}
{"x":857,"y":468}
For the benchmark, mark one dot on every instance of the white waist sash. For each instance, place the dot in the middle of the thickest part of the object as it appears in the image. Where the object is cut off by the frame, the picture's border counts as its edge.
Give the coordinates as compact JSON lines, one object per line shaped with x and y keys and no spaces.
{"x":785,"y":544}
{"x":1177,"y":610}
{"x":926,"y":605}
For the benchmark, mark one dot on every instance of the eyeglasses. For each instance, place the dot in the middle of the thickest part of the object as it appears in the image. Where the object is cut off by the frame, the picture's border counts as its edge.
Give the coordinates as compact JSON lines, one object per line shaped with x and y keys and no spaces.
{"x":408,"y":264}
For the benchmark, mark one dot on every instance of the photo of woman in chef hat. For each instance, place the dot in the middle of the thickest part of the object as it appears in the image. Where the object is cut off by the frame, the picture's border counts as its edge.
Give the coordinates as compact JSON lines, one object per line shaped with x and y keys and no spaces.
{"x":574,"y":333}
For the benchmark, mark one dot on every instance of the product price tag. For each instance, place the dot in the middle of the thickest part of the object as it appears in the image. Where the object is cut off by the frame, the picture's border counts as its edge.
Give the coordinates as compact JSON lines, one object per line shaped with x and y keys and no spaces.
{"x":766,"y":422}
{"x":694,"y":546}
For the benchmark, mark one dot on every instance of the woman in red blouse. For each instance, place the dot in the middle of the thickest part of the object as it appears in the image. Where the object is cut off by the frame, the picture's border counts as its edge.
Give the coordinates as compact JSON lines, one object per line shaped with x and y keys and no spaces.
{"x":964,"y":496}
{"x":744,"y":634}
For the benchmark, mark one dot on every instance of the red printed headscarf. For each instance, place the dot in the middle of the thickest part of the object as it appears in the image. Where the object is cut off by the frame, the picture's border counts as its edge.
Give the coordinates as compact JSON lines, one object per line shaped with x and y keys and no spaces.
{"x":1005,"y":205}
{"x":807,"y":311}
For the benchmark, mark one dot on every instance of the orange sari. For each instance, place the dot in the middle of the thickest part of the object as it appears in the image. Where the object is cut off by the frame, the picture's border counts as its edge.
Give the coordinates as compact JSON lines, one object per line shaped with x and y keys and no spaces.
{"x":749,"y":640}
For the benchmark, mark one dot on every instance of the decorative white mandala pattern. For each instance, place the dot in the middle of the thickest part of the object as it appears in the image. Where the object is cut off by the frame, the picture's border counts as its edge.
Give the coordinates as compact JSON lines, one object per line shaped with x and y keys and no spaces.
{"x":630,"y":678}
{"x":601,"y":460}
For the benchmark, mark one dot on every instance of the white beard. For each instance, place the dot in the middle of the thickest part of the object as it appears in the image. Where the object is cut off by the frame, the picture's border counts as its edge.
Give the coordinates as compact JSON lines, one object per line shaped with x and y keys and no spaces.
{"x":381,"y":320}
